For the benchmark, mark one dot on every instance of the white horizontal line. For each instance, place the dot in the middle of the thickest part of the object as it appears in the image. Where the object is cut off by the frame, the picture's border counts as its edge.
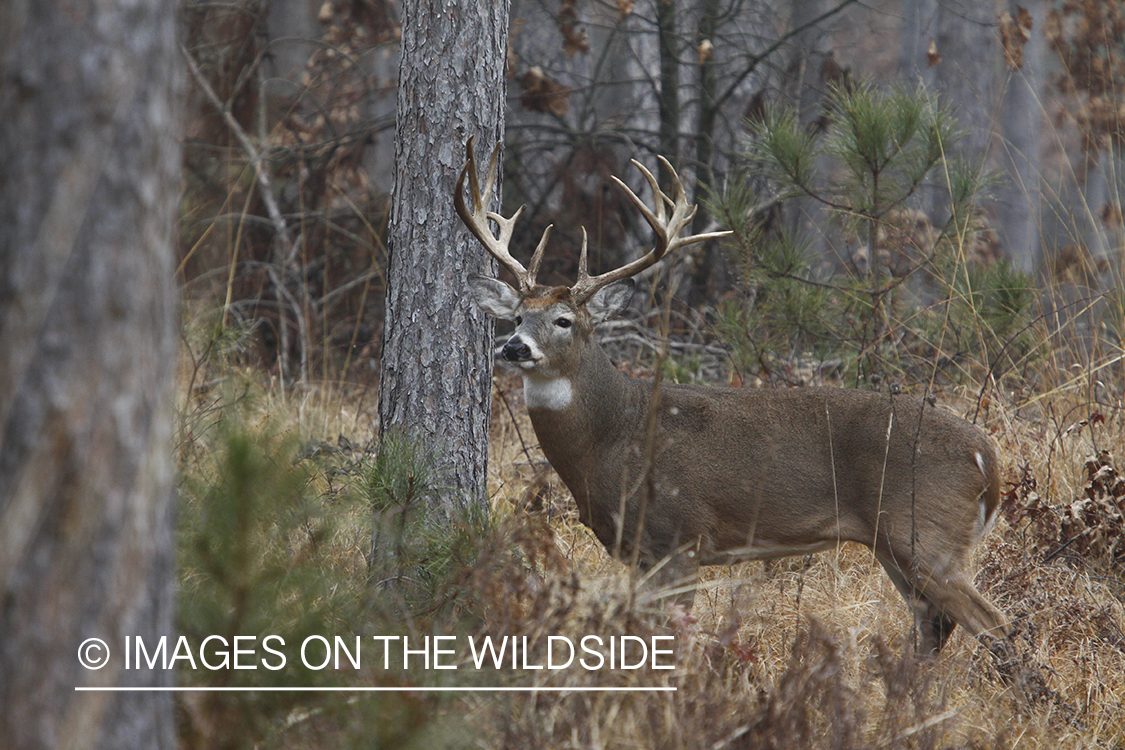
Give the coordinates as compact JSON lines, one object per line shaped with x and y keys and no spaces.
{"x":418,"y":689}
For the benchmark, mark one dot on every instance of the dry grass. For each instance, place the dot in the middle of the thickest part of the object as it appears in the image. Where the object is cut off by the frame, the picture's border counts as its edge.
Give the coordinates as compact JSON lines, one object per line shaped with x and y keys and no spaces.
{"x":815,"y":652}
{"x":805,"y":652}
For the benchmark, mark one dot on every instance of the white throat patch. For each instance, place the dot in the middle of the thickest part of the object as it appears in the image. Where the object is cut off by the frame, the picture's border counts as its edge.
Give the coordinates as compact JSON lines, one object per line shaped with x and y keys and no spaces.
{"x":553,"y":394}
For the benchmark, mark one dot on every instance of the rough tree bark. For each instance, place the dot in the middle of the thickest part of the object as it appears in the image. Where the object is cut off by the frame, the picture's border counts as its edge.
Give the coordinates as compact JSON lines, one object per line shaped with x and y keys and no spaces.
{"x":89,"y":179}
{"x":437,"y":347}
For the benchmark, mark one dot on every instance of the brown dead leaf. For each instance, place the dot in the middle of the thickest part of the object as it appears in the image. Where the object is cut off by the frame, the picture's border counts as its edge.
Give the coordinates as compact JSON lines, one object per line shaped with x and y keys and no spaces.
{"x":932,"y":56}
{"x":706,"y":51}
{"x":1014,"y":34}
{"x":832,"y":72}
{"x":1111,"y":215}
{"x":624,"y":8}
{"x":574,"y":35}
{"x":543,"y":94}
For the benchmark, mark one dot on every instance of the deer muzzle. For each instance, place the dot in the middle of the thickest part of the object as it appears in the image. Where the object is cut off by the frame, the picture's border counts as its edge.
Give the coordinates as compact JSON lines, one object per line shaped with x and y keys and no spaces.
{"x":516,"y":350}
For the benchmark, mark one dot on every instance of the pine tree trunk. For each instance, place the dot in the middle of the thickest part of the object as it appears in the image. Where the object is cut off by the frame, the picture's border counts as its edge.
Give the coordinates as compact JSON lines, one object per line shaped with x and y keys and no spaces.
{"x":437,"y":346}
{"x":89,"y":180}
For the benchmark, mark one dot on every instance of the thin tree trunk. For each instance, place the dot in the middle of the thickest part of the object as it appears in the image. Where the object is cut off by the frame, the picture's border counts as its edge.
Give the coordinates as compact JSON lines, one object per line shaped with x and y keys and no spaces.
{"x":89,"y":177}
{"x":1021,"y":116}
{"x":807,"y":92}
{"x":963,"y":72}
{"x":669,"y":102}
{"x":710,"y":264}
{"x":437,"y":346}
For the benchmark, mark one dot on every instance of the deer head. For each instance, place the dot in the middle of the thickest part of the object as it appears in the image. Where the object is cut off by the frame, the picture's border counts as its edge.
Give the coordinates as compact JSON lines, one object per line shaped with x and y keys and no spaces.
{"x":553,"y":322}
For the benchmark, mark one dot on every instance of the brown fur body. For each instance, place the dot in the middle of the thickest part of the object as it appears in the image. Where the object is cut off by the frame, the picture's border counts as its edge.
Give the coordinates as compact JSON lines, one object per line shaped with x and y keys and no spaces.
{"x":688,"y":475}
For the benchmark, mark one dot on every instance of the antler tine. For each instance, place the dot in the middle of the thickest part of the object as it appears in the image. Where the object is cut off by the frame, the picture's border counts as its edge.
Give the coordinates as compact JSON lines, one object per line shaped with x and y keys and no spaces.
{"x":582,"y":265}
{"x":477,"y":219}
{"x":490,"y":181}
{"x":666,"y":228}
{"x":659,"y":198}
{"x":537,"y":256}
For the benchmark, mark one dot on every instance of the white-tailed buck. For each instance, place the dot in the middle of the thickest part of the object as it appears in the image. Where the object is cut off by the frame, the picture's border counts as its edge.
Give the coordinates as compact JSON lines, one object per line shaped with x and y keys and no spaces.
{"x":692,"y":475}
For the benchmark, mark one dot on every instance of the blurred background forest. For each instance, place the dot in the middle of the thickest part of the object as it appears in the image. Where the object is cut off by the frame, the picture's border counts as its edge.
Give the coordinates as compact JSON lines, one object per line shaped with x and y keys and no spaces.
{"x":924,"y":194}
{"x":289,"y":150}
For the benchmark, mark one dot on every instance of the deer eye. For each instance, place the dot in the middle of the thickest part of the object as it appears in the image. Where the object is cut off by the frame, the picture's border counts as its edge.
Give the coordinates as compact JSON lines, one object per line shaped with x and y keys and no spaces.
{"x":519,"y":320}
{"x":564,"y":322}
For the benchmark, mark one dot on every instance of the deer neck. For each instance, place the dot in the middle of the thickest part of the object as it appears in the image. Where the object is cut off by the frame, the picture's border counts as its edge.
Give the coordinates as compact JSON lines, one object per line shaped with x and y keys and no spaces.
{"x":579,"y":412}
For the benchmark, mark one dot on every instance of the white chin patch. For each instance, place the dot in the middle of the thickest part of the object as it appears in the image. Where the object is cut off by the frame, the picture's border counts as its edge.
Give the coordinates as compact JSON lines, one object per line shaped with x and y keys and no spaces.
{"x":547,"y":393}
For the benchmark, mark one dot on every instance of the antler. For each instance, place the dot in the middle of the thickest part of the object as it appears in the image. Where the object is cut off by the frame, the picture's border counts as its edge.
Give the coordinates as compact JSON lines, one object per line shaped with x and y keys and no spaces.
{"x":477,"y":220}
{"x":667,"y":230}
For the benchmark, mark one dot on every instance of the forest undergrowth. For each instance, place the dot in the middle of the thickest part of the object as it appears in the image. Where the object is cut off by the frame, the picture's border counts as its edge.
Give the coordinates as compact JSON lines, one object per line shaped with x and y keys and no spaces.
{"x":292,"y":523}
{"x":296,"y":521}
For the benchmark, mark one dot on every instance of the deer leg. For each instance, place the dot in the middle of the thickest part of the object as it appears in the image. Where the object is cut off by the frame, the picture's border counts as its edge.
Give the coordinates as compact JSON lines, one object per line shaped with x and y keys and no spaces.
{"x":931,"y":625}
{"x":940,"y":603}
{"x":934,"y":630}
{"x":956,"y":596}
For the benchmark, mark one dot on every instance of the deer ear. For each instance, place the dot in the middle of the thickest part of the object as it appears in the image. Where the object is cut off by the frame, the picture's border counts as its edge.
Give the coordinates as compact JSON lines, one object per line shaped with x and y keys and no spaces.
{"x":494,"y":296}
{"x":610,"y":301}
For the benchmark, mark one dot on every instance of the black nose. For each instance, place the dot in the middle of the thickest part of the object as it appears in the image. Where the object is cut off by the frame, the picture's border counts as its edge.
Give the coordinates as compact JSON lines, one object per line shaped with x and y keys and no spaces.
{"x":515,"y":350}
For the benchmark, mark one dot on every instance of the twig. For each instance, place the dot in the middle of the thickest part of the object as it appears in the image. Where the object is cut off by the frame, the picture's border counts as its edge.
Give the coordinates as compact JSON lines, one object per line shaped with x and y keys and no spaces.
{"x":287,"y":254}
{"x":265,"y":184}
{"x":992,"y":367}
{"x":515,"y":424}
